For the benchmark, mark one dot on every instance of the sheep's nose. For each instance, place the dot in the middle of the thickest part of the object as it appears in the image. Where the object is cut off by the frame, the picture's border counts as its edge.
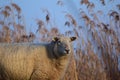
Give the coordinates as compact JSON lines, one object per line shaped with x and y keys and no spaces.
{"x":67,"y":50}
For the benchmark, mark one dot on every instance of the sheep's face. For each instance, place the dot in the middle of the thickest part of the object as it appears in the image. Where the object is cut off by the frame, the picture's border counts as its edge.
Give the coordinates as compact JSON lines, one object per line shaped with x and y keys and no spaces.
{"x":62,"y":45}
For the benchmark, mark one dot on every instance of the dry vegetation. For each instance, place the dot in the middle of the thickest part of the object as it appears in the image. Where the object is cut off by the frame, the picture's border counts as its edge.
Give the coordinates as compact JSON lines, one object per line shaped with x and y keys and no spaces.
{"x":97,"y":55}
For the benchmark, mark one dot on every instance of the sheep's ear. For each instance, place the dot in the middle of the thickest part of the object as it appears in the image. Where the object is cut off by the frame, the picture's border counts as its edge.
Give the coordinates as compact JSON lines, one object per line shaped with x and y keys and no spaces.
{"x":55,"y":39}
{"x":72,"y":38}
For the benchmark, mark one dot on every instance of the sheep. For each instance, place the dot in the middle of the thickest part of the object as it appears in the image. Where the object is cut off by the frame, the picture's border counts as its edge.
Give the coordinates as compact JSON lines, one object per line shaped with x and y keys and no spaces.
{"x":31,"y":61}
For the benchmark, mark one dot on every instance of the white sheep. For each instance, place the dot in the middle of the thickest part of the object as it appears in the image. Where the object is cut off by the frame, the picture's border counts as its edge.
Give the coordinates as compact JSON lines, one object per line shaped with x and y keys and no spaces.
{"x":35,"y":61}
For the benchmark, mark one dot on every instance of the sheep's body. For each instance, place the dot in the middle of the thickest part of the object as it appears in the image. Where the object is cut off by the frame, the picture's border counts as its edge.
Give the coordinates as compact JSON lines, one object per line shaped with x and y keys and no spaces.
{"x":30,"y":62}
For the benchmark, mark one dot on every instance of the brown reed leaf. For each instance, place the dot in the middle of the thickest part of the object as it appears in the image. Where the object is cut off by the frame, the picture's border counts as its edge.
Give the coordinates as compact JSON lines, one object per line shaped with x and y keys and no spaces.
{"x":54,"y":30}
{"x":103,"y":2}
{"x":5,"y":13}
{"x":6,"y":34}
{"x":105,"y":26}
{"x":117,"y":18}
{"x":31,"y":37}
{"x":43,"y":31}
{"x":8,"y":8}
{"x":16,"y":7}
{"x":47,"y":15}
{"x":16,"y":37}
{"x":118,"y":49}
{"x":84,"y":2}
{"x":91,"y":6}
{"x":24,"y":38}
{"x":67,"y":33}
{"x":40,"y":24}
{"x":19,"y":27}
{"x":31,"y":34}
{"x":59,"y":2}
{"x":92,"y":24}
{"x":2,"y":22}
{"x":47,"y":18}
{"x":76,"y":32}
{"x":67,"y":23}
{"x":113,"y":13}
{"x":87,"y":19}
{"x":5,"y":28}
{"x":73,"y":21}
{"x":96,"y":18}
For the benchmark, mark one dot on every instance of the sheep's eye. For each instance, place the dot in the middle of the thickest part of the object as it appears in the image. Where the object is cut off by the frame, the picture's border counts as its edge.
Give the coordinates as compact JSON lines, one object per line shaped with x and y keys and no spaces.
{"x":59,"y":42}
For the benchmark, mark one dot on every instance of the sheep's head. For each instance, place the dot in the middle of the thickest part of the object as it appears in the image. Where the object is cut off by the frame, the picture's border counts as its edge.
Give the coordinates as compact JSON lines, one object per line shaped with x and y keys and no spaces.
{"x":62,"y":45}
